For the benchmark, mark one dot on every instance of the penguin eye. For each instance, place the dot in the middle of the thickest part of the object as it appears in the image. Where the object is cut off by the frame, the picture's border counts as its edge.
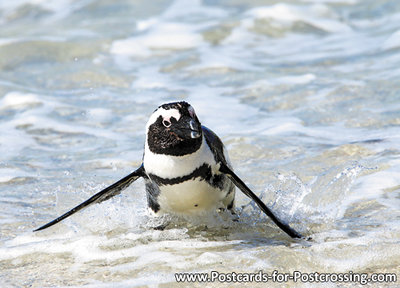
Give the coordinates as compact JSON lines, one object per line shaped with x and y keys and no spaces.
{"x":166,"y":123}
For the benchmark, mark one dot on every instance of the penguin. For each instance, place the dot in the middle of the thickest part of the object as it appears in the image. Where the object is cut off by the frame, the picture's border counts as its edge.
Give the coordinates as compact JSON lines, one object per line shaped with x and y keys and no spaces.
{"x":186,"y":170}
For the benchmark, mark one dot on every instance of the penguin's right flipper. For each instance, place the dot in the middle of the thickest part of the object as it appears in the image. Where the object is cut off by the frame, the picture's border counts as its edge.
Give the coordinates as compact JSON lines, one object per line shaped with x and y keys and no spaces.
{"x":101,"y":196}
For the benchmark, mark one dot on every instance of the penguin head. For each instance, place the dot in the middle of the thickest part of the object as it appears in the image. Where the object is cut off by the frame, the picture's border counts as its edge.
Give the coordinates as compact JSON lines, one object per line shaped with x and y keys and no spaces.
{"x":174,"y":129}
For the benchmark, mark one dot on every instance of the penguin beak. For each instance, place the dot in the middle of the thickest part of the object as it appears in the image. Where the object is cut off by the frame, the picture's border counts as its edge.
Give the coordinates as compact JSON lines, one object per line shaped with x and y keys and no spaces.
{"x":188,"y":128}
{"x":195,"y":129}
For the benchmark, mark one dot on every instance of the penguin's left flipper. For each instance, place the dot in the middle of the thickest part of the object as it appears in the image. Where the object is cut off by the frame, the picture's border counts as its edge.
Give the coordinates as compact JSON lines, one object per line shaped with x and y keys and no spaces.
{"x":101,"y":196}
{"x":215,"y":144}
{"x":246,"y":190}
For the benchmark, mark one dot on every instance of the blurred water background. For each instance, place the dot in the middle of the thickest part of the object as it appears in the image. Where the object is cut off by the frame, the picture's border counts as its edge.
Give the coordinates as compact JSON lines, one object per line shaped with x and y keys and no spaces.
{"x":304,"y":93}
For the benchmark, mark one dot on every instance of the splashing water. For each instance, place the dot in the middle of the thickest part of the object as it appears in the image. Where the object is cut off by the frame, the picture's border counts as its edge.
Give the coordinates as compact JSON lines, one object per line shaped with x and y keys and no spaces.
{"x":305,"y":95}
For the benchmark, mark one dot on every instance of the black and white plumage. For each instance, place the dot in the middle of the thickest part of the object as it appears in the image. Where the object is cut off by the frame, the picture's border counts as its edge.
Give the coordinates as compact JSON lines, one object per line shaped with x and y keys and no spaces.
{"x":185,"y":167}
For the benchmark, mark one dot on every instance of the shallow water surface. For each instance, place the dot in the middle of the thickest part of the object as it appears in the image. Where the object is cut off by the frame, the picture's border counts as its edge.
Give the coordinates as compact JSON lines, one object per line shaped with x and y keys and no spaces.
{"x":305,"y":94}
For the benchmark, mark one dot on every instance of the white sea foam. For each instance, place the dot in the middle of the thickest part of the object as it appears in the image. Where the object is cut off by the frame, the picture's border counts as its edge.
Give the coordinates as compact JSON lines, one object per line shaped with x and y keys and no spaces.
{"x":156,"y":35}
{"x":15,"y":98}
{"x":12,"y":141}
{"x":7,"y":174}
{"x":392,"y":42}
{"x":317,"y":15}
{"x":296,"y":80}
{"x":306,"y":88}
{"x":210,"y":113}
{"x":6,"y":41}
{"x":371,"y":186}
{"x":99,"y":114}
{"x":163,"y":36}
{"x":59,"y":8}
{"x":184,"y":9}
{"x":346,"y":2}
{"x":151,"y":78}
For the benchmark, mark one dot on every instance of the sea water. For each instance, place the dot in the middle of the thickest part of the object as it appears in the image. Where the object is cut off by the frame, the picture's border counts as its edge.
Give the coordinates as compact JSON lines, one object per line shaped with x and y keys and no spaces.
{"x":305,"y":94}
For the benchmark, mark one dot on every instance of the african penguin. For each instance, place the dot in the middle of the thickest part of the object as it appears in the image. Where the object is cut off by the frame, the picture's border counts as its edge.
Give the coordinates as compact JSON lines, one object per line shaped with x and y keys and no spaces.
{"x":185,"y":167}
{"x":183,"y":171}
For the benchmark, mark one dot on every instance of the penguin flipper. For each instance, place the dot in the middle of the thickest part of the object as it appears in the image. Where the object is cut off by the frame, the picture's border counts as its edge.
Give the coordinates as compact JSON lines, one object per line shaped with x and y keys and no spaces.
{"x":101,"y":196}
{"x":215,"y":144}
{"x":246,"y":190}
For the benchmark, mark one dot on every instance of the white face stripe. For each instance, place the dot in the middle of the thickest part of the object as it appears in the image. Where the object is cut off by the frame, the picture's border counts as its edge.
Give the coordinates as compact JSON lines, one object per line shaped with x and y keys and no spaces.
{"x":166,"y":114}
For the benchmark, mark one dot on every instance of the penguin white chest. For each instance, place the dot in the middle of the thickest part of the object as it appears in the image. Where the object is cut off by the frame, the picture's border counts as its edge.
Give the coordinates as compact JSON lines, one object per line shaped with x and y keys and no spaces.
{"x":189,"y":184}
{"x":194,"y":196}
